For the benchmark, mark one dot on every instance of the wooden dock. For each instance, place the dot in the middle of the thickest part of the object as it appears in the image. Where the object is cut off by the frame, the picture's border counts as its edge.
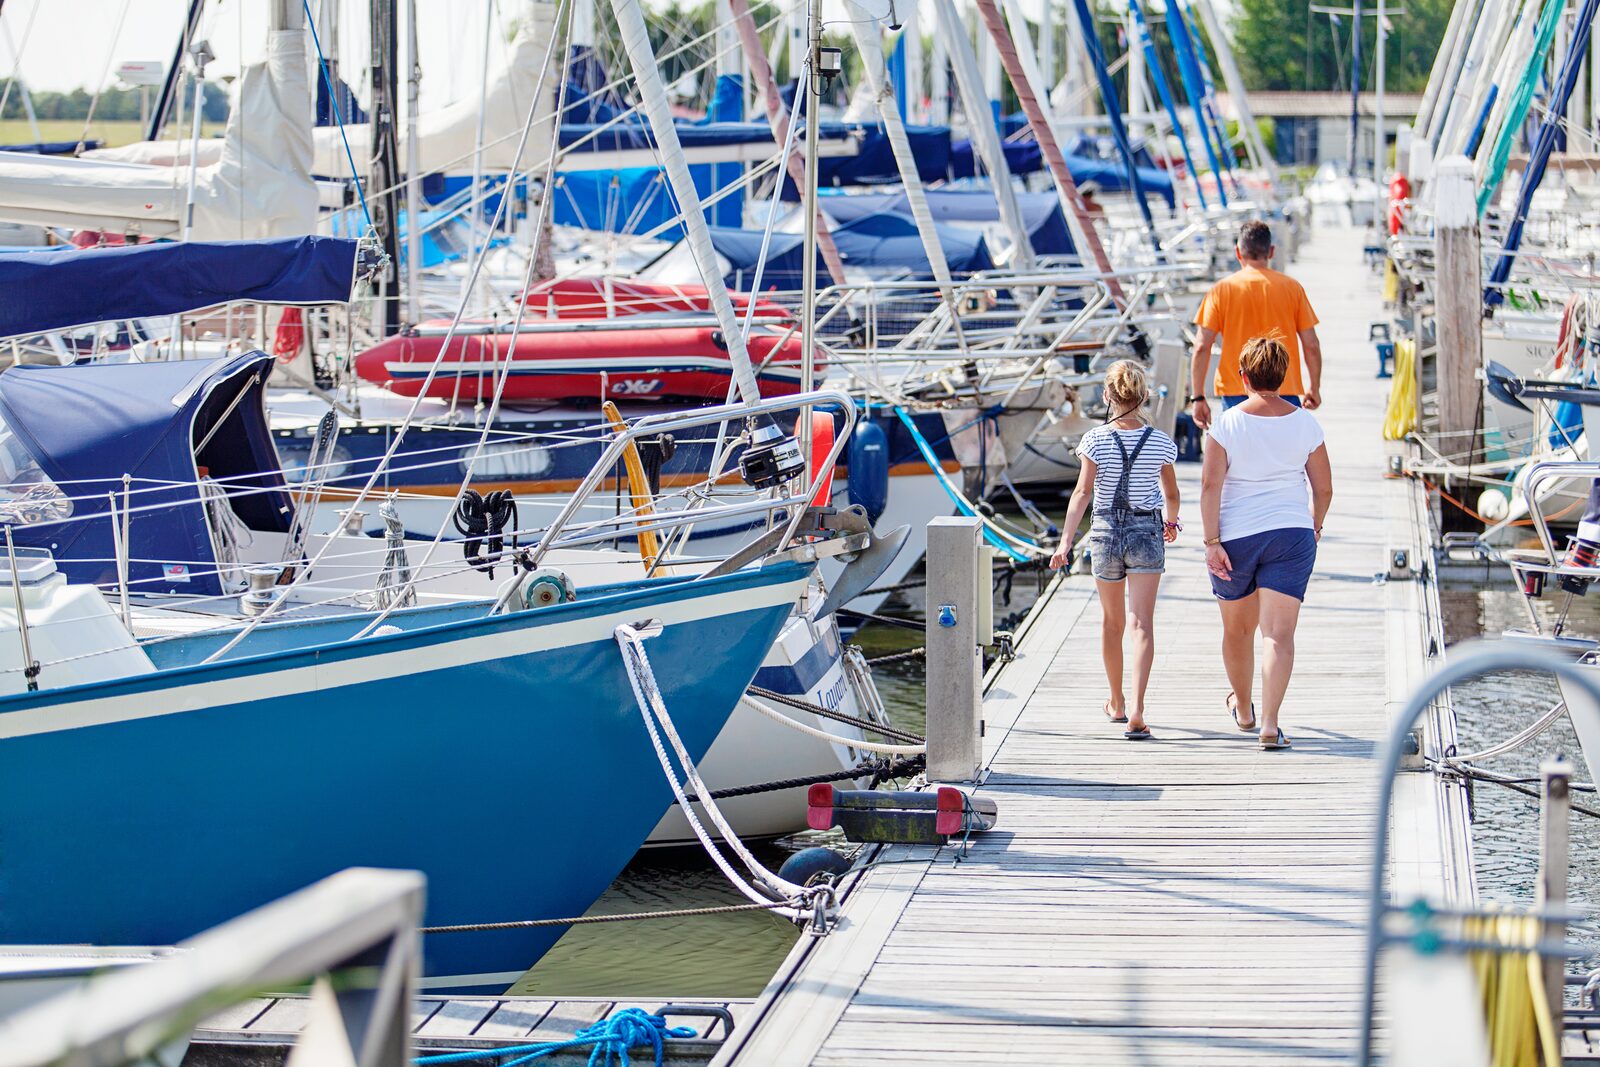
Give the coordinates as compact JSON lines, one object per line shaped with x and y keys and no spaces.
{"x":1188,"y":900}
{"x":260,"y":1031}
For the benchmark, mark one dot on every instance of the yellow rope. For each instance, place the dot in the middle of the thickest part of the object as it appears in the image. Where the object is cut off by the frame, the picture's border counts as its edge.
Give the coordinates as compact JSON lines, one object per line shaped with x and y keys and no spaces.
{"x":1401,"y":417}
{"x":1511,"y":982}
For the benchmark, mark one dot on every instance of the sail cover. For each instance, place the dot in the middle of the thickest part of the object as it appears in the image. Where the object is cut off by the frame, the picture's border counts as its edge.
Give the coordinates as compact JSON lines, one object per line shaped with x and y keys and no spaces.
{"x":56,"y":288}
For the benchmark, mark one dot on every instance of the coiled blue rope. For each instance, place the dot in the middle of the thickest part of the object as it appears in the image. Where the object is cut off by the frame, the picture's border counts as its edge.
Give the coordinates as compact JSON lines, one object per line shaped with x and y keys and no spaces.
{"x":611,"y":1037}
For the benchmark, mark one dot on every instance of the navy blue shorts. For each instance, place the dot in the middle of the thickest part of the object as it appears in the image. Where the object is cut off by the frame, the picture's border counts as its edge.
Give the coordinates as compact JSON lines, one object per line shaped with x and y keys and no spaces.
{"x":1280,"y":560}
{"x":1231,"y":402}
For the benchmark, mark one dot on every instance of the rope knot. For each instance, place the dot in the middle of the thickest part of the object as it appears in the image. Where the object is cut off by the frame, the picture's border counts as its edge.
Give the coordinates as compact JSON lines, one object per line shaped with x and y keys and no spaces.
{"x":627,"y":1029}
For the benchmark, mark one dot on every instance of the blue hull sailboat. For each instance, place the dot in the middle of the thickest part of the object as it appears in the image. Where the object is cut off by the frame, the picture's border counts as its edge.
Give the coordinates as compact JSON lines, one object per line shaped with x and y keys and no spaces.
{"x":152,"y":788}
{"x":503,"y":755}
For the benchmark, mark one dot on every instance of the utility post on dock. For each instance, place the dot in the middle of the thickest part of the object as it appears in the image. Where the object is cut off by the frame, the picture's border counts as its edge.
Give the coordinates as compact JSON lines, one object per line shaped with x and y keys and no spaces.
{"x":955,"y":663}
{"x":1458,"y":300}
{"x":1555,"y":818}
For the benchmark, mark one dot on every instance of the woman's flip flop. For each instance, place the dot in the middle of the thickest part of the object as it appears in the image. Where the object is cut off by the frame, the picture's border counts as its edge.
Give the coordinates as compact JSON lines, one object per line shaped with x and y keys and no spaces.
{"x":1276,"y":744}
{"x":1113,"y":716}
{"x":1141,"y":734}
{"x":1233,"y":712}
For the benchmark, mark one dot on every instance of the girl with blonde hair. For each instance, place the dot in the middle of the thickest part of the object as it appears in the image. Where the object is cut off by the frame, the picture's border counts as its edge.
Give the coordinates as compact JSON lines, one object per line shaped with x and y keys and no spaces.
{"x":1128,"y":475}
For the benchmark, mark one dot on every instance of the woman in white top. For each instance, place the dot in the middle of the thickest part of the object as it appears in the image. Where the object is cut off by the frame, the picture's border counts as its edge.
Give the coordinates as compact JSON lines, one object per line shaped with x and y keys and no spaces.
{"x":1127,"y":472}
{"x":1262,"y":529}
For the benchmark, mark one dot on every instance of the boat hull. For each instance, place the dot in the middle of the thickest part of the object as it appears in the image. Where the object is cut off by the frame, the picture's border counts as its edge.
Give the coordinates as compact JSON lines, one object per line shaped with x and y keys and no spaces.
{"x":502,"y":756}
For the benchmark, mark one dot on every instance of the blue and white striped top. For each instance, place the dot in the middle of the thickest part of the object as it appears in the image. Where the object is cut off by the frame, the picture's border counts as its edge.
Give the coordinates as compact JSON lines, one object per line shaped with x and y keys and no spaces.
{"x":1144,"y":483}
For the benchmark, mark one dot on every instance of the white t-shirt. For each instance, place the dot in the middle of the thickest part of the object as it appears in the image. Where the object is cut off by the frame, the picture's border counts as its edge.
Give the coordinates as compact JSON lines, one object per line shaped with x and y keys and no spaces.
{"x":1266,"y":487}
{"x":1144,"y":481}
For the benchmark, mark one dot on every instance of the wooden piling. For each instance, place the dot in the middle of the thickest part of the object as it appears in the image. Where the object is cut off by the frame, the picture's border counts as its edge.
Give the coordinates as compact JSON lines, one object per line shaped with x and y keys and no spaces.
{"x":1458,"y":303}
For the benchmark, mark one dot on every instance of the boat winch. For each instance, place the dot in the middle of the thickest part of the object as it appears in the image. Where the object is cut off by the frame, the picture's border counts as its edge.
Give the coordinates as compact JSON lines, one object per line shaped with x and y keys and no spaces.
{"x":263,"y":589}
{"x":546,"y":587}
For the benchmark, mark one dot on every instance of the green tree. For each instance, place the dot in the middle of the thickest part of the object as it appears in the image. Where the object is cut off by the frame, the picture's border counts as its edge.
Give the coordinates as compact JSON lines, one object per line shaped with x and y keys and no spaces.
{"x":1282,"y":44}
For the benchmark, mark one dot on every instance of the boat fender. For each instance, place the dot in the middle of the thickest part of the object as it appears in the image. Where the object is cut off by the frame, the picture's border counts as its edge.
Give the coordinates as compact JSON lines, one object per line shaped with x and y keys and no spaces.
{"x":546,"y":587}
{"x":806,"y":864}
{"x":719,"y":340}
{"x":821,"y":446}
{"x":868,"y":462}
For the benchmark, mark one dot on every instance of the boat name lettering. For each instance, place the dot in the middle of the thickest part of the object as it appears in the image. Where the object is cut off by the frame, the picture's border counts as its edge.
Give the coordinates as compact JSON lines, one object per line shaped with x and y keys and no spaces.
{"x":635,"y":386}
{"x":833,"y":696}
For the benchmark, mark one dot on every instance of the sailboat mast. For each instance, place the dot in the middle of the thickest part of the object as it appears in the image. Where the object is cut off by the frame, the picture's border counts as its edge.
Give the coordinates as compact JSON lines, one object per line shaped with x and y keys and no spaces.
{"x":413,"y":168}
{"x":169,"y":88}
{"x":1355,"y":82}
{"x":384,"y":173}
{"x":811,"y":85}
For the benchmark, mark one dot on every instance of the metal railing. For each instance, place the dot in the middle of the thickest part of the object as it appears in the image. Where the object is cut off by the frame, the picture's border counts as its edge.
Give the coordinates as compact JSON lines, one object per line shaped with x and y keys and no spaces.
{"x":558,"y":534}
{"x":1473,"y":660}
{"x":355,"y":933}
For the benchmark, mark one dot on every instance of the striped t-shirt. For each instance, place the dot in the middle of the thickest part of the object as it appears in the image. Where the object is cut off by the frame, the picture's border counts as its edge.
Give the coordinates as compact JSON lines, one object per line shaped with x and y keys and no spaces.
{"x":1144,"y":484}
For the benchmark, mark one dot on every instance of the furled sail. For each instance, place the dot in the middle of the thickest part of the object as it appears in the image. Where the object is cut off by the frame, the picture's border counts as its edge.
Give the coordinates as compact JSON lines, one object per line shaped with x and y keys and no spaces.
{"x":258,"y":183}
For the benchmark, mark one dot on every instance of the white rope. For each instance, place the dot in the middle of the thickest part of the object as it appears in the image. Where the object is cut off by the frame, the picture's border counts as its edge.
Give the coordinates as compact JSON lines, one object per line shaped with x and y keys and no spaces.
{"x":653,"y":710}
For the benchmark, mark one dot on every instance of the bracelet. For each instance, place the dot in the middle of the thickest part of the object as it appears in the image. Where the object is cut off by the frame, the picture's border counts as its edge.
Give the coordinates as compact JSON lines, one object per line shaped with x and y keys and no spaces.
{"x":1176,"y":525}
{"x":1213,"y":541}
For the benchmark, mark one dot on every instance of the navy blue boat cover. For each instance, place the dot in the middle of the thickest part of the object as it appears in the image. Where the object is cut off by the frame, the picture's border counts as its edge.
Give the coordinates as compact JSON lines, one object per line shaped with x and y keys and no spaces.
{"x":88,"y":425}
{"x":880,"y":241}
{"x":54,"y":288}
{"x":1041,"y":212}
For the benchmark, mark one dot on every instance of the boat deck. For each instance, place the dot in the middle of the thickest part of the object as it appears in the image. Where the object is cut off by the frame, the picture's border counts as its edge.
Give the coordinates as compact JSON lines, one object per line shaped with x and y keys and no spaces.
{"x":1187,"y":900}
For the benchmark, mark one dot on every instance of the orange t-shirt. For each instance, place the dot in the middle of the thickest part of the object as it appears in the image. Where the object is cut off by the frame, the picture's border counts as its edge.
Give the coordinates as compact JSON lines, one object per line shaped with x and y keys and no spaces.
{"x":1250,"y":303}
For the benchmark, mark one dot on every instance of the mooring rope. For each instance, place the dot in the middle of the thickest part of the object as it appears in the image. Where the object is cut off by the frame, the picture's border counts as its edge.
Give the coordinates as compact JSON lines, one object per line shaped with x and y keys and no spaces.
{"x":611,"y":1039}
{"x":589,"y":920}
{"x":893,"y":657}
{"x":838,"y":716}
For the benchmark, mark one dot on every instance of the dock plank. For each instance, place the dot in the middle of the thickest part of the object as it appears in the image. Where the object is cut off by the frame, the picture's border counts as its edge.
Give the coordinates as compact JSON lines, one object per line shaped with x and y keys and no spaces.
{"x":1190,"y":900}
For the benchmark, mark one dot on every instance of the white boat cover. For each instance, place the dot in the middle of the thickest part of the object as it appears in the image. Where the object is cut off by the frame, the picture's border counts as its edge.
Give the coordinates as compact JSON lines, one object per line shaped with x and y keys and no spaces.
{"x":256,"y":182}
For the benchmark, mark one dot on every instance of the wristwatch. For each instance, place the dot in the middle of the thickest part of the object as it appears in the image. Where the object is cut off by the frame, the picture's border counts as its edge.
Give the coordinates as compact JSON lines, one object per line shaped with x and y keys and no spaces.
{"x":1190,"y":399}
{"x":1213,"y":541}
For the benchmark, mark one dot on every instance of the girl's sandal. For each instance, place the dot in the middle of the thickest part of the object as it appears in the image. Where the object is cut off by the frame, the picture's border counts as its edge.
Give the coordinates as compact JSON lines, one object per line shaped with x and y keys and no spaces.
{"x":1277,"y":744}
{"x":1113,"y":716}
{"x":1233,"y":712}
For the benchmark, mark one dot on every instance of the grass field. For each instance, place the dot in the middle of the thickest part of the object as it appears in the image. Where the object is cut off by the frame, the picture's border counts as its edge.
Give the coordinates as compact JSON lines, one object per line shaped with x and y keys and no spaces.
{"x":17,"y":131}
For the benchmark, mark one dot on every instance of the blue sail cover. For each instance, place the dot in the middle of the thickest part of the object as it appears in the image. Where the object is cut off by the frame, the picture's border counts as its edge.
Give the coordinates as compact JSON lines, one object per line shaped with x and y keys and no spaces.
{"x":1041,"y":212}
{"x":1024,"y":157}
{"x":56,"y":288}
{"x":873,"y":163}
{"x":882,"y":242}
{"x":51,"y":148}
{"x":88,"y":425}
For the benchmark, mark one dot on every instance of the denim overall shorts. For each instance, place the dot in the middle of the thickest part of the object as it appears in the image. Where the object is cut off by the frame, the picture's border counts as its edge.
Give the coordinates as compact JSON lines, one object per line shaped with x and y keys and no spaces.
{"x":1125,"y":540}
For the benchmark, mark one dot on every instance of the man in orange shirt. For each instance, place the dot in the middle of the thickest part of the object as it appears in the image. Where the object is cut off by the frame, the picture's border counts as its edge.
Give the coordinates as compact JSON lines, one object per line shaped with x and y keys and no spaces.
{"x":1254,"y":301}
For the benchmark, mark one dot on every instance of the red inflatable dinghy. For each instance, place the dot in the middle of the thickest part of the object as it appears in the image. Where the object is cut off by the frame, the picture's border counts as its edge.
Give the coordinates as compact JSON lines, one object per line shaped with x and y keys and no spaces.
{"x":678,"y":356}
